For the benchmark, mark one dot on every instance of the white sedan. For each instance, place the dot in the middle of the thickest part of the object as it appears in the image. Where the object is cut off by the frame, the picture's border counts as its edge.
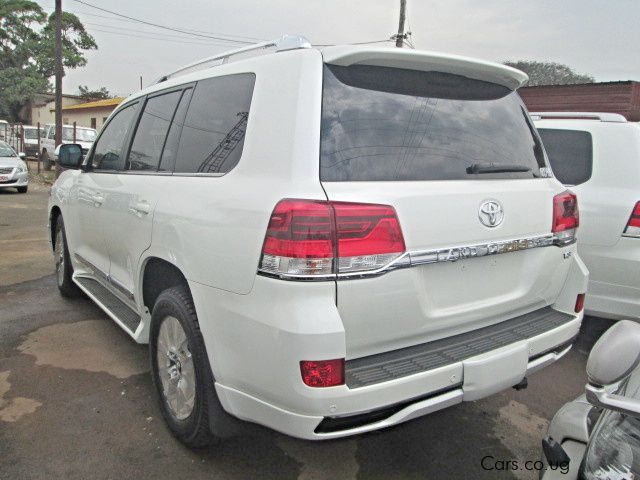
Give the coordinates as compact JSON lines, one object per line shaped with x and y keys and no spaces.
{"x":13,"y":170}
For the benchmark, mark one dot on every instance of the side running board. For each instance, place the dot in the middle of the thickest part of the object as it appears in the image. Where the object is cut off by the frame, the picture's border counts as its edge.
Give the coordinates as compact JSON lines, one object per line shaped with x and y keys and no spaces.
{"x":111,"y":304}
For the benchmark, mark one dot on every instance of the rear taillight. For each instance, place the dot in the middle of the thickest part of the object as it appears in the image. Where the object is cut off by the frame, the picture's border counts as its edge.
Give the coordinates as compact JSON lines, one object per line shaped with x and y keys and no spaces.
{"x":633,"y":225}
{"x":579,"y":303}
{"x":320,"y":238}
{"x":565,"y":218}
{"x":322,"y":373}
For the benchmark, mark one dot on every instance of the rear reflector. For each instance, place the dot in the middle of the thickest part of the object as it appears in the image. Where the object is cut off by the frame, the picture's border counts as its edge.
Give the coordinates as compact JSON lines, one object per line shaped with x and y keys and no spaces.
{"x":566,"y":218}
{"x":579,"y":303}
{"x":633,"y":225}
{"x":322,"y":373}
{"x":320,"y":238}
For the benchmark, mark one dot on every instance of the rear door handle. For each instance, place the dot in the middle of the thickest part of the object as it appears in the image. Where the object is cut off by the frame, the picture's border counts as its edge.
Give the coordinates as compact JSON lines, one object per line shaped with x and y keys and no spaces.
{"x":140,"y":208}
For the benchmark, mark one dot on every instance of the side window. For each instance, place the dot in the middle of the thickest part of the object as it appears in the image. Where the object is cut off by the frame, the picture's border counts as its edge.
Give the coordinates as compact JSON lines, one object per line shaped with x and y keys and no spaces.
{"x":570,"y":154}
{"x":152,"y":131}
{"x":107,"y":153}
{"x":213,"y":132}
{"x":171,"y":145}
{"x":52,"y":133}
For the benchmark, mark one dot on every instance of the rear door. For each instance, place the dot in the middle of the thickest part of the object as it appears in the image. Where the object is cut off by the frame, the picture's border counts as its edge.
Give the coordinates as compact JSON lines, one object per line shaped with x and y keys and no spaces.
{"x":462,"y":165}
{"x":131,"y":199}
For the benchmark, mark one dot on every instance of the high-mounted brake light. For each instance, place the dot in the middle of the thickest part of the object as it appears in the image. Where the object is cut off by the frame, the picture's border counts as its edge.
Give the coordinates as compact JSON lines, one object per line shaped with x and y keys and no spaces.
{"x":313,"y":238}
{"x":566,"y":218}
{"x":322,"y":373}
{"x":633,"y":225}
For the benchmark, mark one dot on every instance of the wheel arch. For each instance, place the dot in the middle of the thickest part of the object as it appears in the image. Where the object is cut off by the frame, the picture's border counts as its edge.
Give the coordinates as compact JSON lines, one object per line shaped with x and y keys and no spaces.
{"x":158,"y":274}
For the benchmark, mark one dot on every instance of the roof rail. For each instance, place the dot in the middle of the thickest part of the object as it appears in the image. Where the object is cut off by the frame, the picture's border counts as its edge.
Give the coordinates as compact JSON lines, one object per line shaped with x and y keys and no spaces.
{"x":286,"y":42}
{"x":603,"y":117}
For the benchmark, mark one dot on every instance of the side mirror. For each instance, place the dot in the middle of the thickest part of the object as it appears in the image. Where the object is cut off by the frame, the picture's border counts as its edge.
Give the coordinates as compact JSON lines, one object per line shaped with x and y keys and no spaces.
{"x":613,"y":358}
{"x":69,"y":155}
{"x":22,"y":155}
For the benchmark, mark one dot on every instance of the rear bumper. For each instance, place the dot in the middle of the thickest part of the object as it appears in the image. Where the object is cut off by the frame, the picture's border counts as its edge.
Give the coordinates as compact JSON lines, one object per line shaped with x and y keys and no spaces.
{"x":614,"y":279}
{"x":256,"y":341}
{"x":317,"y":427}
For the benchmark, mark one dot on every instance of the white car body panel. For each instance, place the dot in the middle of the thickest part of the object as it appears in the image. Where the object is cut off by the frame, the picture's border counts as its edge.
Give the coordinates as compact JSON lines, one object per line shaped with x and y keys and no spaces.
{"x":606,"y":201}
{"x":257,"y":329}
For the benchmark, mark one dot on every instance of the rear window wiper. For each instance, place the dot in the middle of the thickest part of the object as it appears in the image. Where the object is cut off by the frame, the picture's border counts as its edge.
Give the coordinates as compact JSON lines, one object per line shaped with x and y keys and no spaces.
{"x":493,"y":168}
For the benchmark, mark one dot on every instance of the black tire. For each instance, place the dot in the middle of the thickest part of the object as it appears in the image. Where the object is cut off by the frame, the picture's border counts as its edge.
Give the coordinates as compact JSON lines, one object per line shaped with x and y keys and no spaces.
{"x":22,"y":189}
{"x":194,"y":430}
{"x":64,"y":269}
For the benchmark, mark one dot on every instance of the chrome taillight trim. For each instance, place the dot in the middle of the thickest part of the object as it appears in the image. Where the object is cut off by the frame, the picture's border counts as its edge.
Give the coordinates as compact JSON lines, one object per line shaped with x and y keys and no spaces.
{"x":441,"y":255}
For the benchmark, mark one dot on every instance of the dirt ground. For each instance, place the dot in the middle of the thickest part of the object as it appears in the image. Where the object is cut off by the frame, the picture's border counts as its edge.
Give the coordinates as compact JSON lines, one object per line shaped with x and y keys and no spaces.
{"x":76,"y":399}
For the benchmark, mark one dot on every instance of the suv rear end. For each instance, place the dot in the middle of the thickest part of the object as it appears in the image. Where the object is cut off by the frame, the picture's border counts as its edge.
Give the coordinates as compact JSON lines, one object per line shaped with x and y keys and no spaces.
{"x":597,"y":155}
{"x":436,"y":264}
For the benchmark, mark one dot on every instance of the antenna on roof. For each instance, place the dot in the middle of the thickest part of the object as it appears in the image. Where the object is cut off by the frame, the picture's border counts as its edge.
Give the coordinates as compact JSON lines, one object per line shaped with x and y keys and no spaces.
{"x":286,"y":42}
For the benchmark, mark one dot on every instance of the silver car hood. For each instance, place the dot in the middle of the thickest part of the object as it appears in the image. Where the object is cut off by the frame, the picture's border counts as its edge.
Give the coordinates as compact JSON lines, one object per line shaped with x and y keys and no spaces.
{"x":10,"y":162}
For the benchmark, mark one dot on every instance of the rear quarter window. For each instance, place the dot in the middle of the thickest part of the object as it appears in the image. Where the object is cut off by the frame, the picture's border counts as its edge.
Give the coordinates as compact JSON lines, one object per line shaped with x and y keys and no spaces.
{"x":213,"y":132}
{"x":570,"y":153}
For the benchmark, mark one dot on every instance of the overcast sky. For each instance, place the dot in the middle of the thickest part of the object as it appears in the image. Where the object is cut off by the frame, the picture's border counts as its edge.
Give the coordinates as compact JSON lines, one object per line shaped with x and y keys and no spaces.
{"x":598,"y":37}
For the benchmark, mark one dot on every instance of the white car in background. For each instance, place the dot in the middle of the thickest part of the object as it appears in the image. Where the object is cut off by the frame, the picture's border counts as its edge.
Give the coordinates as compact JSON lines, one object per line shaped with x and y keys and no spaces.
{"x":325,"y":242}
{"x":13,"y":169}
{"x":598,"y":156}
{"x":31,"y":140}
{"x":84,"y":137}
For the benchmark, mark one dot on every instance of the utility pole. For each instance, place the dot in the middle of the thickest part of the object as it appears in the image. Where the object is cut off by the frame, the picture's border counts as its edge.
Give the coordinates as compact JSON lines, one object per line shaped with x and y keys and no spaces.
{"x":59,"y":73}
{"x":401,"y":35}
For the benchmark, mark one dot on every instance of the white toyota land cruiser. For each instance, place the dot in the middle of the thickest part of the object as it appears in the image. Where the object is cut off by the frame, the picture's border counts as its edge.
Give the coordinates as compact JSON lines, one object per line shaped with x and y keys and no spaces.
{"x":325,"y":242}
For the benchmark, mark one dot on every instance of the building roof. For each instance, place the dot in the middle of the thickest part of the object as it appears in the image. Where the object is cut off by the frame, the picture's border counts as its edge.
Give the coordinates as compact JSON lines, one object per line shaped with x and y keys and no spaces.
{"x":109,"y":102}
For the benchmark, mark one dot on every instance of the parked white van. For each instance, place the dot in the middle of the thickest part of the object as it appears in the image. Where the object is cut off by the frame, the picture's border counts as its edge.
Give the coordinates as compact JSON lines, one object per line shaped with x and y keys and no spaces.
{"x":325,"y":242}
{"x":598,"y":156}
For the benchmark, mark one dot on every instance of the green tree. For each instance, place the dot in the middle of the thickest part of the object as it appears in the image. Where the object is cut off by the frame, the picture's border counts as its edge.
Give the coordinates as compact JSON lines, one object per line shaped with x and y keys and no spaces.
{"x":549,"y":73}
{"x":98,"y":94}
{"x":27,"y":39}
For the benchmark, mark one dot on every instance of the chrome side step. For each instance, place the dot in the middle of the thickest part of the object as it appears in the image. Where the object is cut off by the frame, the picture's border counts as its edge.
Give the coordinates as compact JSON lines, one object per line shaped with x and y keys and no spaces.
{"x":111,"y":304}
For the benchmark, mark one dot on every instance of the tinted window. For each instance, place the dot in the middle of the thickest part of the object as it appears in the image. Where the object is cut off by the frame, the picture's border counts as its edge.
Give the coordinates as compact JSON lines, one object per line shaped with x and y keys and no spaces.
{"x":107,"y":154}
{"x":213,"y":132}
{"x":382,"y":123}
{"x":171,"y":145}
{"x":570,"y":153}
{"x":152,"y":131}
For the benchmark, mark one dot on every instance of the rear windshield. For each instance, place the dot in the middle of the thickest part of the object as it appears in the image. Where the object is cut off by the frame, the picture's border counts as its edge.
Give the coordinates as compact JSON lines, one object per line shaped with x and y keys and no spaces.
{"x":385,"y":124}
{"x":570,"y":154}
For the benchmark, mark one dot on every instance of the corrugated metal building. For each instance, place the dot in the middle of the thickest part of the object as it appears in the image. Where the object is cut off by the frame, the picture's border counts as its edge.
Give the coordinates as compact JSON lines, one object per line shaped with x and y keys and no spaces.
{"x":612,"y":97}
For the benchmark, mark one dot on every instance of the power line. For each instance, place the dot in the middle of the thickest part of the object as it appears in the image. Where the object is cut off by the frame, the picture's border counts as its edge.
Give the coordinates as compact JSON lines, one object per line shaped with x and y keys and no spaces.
{"x":137,"y":31}
{"x":164,"y":26}
{"x":125,"y":20}
{"x":131,"y":35}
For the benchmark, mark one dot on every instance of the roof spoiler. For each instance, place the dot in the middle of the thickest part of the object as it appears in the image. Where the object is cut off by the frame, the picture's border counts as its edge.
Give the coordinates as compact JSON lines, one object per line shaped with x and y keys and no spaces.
{"x":426,"y":61}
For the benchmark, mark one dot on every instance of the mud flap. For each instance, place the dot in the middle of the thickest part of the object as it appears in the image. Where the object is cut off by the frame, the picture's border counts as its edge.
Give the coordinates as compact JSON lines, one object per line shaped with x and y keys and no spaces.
{"x":493,"y":372}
